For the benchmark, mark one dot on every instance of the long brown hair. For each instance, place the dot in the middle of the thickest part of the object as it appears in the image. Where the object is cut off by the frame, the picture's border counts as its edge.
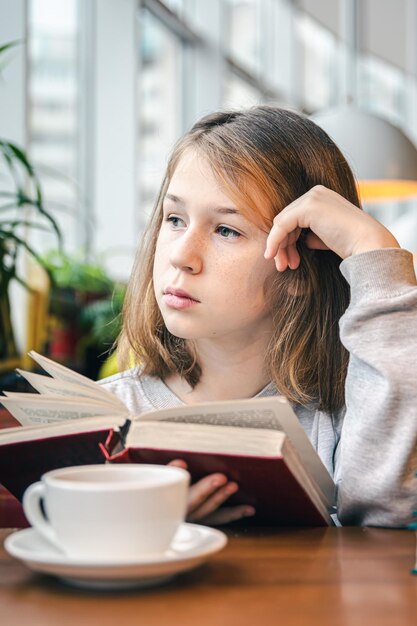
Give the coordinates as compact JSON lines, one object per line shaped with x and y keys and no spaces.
{"x":266,"y":157}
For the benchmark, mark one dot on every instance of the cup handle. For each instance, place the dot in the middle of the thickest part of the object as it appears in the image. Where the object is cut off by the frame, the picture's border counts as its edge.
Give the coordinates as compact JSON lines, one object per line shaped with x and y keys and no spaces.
{"x":33,"y":511}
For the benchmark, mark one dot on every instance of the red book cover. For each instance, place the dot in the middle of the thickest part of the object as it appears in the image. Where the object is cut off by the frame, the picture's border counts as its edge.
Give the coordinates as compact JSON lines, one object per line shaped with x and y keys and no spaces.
{"x":11,"y":511}
{"x":264,"y":482}
{"x":285,"y":487}
{"x":24,"y":462}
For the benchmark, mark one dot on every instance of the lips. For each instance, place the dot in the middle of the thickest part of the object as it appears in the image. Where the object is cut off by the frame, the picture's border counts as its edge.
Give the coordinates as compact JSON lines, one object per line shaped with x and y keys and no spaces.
{"x":179,"y":293}
{"x":178,"y":299}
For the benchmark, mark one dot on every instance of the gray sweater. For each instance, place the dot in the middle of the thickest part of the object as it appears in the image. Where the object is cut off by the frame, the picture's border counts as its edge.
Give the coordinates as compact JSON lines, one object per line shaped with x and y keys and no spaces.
{"x":370,"y":447}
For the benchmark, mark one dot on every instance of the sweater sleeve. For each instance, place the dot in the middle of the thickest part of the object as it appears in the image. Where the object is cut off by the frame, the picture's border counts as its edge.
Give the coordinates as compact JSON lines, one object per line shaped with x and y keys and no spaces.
{"x":376,"y":460}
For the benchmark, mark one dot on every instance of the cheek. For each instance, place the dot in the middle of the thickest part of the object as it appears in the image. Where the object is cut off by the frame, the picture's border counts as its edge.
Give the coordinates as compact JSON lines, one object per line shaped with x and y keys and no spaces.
{"x":159,"y":261}
{"x":244,"y":284}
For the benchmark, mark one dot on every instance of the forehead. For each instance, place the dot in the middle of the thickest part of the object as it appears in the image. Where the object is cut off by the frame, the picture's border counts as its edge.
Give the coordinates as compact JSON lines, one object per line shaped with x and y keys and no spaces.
{"x":194,"y":176}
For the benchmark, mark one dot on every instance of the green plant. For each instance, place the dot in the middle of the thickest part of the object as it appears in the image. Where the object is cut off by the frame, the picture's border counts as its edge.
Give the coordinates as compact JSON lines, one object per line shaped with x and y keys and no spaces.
{"x":103,"y":317}
{"x":85,"y":304}
{"x":72,"y":271}
{"x":21,"y":203}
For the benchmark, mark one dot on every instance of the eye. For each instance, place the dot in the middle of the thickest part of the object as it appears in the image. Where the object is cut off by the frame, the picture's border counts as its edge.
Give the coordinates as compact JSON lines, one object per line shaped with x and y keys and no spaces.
{"x":175,"y":221}
{"x":227,"y":233}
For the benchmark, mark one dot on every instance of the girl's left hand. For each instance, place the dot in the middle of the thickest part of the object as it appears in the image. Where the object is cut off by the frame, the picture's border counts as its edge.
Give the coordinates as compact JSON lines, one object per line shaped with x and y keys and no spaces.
{"x":334,"y":223}
{"x":207,"y":495}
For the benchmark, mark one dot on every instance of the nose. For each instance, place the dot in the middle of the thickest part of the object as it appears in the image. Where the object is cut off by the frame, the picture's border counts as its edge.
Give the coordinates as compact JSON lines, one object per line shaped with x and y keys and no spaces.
{"x":186,"y":252}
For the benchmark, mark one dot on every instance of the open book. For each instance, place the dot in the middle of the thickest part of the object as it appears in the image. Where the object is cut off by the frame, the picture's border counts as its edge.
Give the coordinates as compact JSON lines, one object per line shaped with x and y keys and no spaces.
{"x":259,"y":443}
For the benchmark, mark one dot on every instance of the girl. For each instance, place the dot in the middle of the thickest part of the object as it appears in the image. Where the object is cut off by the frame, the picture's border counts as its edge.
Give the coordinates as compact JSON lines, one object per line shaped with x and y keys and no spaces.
{"x":256,"y":257}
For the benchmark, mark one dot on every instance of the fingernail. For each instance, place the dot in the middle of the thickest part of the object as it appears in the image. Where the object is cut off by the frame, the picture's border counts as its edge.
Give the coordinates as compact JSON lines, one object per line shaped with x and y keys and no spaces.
{"x":219,"y":481}
{"x":249,"y":512}
{"x":232,"y":488}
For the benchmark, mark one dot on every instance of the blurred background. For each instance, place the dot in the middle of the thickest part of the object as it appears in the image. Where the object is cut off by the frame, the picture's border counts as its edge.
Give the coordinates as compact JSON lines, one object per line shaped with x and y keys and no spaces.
{"x":95,"y":93}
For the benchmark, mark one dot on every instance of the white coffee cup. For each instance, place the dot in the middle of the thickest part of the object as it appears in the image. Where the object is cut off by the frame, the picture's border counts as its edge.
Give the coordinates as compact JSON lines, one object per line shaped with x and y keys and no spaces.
{"x":109,"y":512}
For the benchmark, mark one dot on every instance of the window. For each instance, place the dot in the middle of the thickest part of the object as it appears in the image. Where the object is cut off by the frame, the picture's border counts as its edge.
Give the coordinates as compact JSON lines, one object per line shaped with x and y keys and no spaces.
{"x":193,"y":57}
{"x":53,"y":121}
{"x":160,"y":104}
{"x":381,"y":89}
{"x":238,"y":93}
{"x":255,"y":43}
{"x":318,"y":67}
{"x":243,"y":33}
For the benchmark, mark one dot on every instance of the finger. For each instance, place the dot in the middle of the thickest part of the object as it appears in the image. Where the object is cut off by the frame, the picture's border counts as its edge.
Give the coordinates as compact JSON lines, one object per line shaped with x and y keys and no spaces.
{"x":204,"y":489}
{"x":276,"y":237}
{"x":287,"y":255}
{"x":284,"y":232}
{"x":286,"y":228}
{"x":213,"y":502}
{"x":178,"y":463}
{"x":293,"y":257}
{"x":281,"y":259}
{"x":228,"y":514}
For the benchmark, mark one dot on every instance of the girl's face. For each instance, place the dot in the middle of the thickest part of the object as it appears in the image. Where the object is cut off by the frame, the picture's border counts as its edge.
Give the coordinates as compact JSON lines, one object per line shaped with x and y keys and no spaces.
{"x":209,"y":270}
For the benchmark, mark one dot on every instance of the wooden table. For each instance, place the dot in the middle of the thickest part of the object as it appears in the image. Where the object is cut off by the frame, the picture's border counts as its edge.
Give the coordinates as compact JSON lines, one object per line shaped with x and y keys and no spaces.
{"x":299,"y":577}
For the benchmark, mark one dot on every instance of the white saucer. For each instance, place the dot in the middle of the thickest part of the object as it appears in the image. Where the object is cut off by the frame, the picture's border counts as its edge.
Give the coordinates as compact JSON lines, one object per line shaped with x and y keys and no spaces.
{"x":193,"y":544}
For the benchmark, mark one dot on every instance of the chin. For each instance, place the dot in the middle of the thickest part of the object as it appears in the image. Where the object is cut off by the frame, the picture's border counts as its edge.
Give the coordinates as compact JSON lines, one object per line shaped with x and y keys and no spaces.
{"x":180,"y":331}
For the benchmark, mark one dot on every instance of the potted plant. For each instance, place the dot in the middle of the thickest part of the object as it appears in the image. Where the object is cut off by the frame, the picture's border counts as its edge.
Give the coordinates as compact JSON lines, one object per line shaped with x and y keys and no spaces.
{"x":22,"y":208}
{"x":84,"y":311}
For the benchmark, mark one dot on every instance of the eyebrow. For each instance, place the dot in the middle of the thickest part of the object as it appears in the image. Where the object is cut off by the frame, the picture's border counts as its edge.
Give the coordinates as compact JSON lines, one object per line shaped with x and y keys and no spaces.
{"x":224,"y":210}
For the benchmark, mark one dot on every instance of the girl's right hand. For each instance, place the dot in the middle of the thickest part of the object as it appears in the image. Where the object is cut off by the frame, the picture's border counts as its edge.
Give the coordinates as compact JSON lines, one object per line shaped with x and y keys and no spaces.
{"x":334,"y":223}
{"x":208,"y":494}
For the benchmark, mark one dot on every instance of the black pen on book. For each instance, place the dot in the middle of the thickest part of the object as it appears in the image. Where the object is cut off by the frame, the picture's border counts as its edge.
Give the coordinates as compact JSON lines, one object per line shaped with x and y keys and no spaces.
{"x":123,"y":430}
{"x":116,"y":440}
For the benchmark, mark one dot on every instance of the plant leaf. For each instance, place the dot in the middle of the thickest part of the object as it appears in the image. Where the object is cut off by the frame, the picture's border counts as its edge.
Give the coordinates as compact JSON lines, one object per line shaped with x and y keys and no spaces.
{"x":10,"y":44}
{"x":20,"y":155}
{"x":23,"y":243}
{"x":23,"y":283}
{"x":24,"y":223}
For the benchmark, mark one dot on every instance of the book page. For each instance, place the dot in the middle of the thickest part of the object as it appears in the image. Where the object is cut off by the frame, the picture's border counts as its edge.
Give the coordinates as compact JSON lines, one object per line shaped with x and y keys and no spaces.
{"x":32,"y":409}
{"x":205,"y":438}
{"x":46,"y":385}
{"x":55,"y":429}
{"x":251,"y":413}
{"x":60,"y":372}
